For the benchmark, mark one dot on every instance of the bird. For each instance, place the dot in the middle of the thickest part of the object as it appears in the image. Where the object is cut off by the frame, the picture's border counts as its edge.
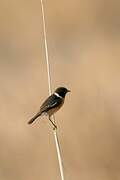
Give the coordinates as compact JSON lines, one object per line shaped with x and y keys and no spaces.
{"x":51,"y":105}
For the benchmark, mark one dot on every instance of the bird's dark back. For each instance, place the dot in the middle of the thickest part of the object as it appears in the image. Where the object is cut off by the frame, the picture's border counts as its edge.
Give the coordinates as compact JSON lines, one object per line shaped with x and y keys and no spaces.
{"x":51,"y":102}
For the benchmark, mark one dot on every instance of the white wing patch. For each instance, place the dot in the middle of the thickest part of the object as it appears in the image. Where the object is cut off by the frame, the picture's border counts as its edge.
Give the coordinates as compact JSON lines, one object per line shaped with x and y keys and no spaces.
{"x":52,"y":105}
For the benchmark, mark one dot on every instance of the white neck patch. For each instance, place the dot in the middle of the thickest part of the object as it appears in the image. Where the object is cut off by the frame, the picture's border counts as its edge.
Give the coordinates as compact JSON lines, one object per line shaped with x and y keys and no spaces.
{"x":58,"y":95}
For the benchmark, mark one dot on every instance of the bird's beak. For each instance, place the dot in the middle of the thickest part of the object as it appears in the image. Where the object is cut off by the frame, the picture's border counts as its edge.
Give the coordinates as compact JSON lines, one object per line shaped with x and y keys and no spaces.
{"x":68,"y":91}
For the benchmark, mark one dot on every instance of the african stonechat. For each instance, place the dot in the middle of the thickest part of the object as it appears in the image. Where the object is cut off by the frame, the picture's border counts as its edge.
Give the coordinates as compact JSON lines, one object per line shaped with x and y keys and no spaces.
{"x":51,"y":105}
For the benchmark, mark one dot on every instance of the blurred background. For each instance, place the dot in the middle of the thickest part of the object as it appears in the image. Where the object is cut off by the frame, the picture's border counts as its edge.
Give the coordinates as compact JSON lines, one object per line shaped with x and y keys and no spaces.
{"x":84,"y":53}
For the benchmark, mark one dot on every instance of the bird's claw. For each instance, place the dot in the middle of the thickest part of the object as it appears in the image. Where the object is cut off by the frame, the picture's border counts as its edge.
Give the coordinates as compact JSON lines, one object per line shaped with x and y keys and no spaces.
{"x":55,"y":127}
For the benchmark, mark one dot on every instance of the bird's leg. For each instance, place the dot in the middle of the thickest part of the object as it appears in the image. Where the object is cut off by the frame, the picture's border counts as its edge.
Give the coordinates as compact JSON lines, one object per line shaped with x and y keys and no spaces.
{"x":55,"y":127}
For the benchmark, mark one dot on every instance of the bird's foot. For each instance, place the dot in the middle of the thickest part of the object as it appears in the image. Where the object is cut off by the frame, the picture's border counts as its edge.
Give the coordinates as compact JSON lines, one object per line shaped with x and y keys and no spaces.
{"x":55,"y":127}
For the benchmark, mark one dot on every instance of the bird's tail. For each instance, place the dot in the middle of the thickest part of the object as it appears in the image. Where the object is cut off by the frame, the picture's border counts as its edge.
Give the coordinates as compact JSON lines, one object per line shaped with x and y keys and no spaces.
{"x":34,"y":118}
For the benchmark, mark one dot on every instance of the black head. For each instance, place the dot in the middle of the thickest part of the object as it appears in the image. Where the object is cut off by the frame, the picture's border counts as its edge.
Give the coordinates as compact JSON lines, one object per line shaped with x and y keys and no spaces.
{"x":62,"y":91}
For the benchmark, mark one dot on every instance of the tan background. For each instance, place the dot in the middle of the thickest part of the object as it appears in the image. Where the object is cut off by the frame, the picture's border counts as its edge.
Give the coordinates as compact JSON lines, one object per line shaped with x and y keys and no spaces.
{"x":84,"y":52}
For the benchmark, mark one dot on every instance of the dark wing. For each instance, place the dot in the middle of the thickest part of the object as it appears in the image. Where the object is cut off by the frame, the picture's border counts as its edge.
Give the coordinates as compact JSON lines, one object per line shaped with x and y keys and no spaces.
{"x":51,"y":102}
